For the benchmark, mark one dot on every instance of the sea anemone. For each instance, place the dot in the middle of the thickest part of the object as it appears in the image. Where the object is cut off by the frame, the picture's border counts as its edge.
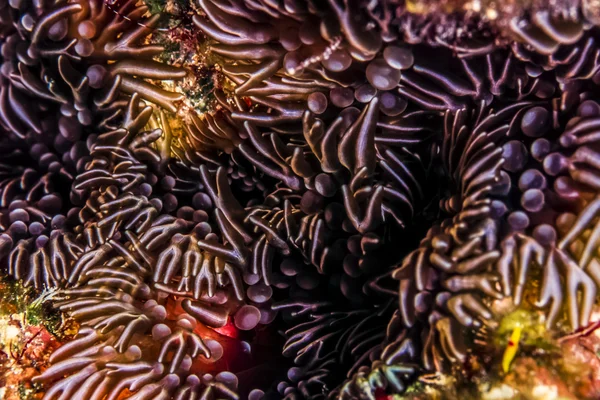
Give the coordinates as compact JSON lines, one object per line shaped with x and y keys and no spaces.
{"x":143,"y":277}
{"x":378,"y":195}
{"x":77,"y":60}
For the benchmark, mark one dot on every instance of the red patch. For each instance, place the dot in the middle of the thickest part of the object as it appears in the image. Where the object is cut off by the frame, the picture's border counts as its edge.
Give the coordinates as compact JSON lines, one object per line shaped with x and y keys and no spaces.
{"x":228,"y":330}
{"x":380,"y":394}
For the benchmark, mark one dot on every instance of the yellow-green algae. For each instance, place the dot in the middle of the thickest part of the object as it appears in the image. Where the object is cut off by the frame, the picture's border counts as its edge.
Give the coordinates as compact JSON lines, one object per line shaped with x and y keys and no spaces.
{"x":545,"y":367}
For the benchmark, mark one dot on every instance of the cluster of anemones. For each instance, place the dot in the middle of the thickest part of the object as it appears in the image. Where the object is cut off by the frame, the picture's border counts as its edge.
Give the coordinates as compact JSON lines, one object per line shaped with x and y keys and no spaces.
{"x":340,"y":137}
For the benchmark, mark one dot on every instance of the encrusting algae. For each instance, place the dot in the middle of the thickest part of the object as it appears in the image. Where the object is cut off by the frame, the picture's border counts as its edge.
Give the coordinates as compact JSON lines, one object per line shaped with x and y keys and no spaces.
{"x":30,"y":331}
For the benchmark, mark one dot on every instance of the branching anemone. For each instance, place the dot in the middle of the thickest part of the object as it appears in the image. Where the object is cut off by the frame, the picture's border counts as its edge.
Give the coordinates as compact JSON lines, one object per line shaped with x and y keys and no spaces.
{"x":74,"y":60}
{"x":150,"y":290}
{"x":378,"y":196}
{"x":34,"y":204}
{"x":498,"y":206}
{"x":566,"y":43}
{"x":506,"y":224}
